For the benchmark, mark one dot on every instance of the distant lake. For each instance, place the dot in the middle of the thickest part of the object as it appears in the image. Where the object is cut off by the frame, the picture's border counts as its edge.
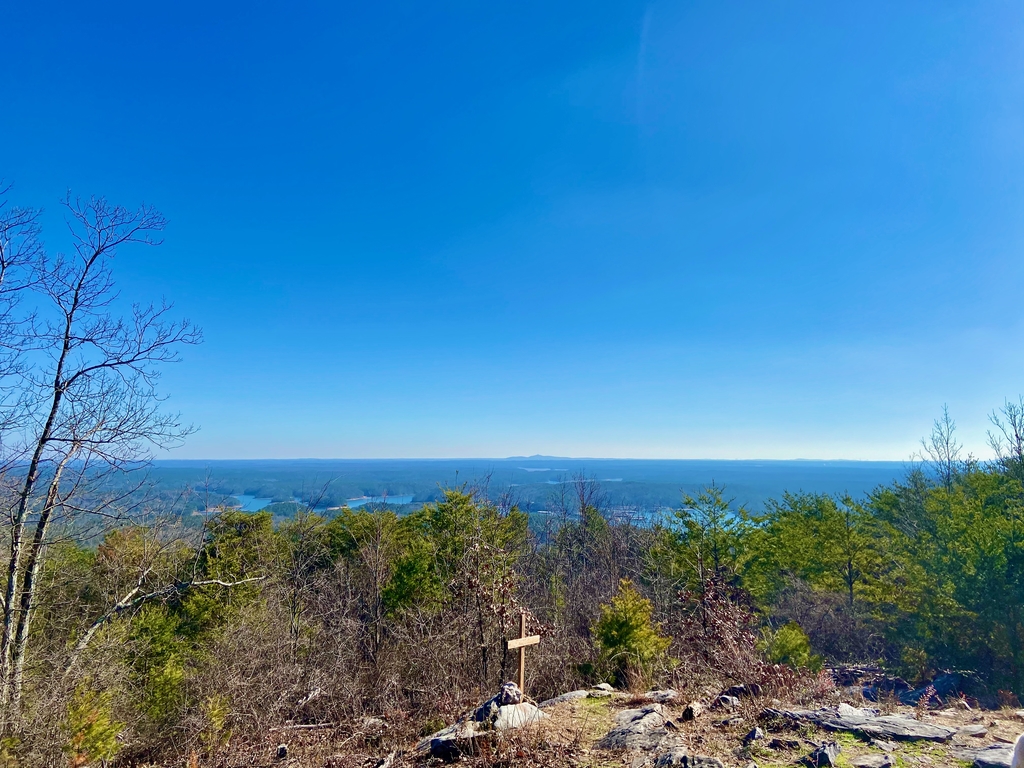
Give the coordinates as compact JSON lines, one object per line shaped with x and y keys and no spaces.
{"x":647,"y":484}
{"x":251,"y":503}
{"x":363,"y":500}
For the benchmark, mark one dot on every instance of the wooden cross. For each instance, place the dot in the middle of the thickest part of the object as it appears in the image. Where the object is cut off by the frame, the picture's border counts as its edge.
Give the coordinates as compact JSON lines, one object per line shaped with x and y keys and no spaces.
{"x":521,"y":642}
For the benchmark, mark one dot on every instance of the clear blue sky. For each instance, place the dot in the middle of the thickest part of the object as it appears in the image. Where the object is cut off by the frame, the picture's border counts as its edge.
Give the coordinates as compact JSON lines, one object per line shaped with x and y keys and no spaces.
{"x":669,"y":229}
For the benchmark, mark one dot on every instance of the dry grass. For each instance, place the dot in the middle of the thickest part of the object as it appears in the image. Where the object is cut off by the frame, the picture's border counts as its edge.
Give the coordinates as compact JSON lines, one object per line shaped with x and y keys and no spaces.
{"x":568,"y":737}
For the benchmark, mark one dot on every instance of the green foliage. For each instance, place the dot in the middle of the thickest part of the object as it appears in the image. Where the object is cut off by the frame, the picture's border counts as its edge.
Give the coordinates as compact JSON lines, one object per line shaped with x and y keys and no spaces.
{"x":832,"y":545}
{"x":216,"y":711}
{"x":790,"y":645}
{"x":627,"y":638}
{"x":92,"y":729}
{"x":708,"y":537}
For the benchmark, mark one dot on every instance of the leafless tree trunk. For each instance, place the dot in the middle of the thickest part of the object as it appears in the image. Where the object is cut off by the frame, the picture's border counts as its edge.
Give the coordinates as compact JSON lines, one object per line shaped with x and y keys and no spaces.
{"x":88,"y":403}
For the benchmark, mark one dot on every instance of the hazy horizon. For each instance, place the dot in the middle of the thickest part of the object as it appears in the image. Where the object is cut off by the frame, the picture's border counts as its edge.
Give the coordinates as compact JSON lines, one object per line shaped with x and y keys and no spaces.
{"x":536,"y":456}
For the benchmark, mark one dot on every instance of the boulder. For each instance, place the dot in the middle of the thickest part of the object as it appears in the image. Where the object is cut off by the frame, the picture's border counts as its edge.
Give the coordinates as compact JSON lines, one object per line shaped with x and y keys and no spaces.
{"x":994,"y":756}
{"x":509,"y":694}
{"x":693,"y":710}
{"x":516,"y":716}
{"x":944,"y":686}
{"x":502,"y":712}
{"x":570,"y":696}
{"x":450,"y":743}
{"x":755,"y":735}
{"x":604,"y":687}
{"x":824,"y":756}
{"x":725,"y":702}
{"x":662,"y":697}
{"x":636,"y":729}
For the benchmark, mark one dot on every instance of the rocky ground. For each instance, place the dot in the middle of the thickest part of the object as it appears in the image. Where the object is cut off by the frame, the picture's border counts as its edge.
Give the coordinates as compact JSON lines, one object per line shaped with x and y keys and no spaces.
{"x":738,"y":728}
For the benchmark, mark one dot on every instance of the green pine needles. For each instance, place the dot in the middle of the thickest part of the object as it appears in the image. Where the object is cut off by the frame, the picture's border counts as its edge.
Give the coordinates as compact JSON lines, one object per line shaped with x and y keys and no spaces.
{"x":629,"y":641}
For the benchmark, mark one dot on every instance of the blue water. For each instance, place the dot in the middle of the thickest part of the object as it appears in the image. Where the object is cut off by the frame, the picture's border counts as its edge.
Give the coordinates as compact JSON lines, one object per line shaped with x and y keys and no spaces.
{"x":251,"y":503}
{"x":649,"y":484}
{"x":393,"y":500}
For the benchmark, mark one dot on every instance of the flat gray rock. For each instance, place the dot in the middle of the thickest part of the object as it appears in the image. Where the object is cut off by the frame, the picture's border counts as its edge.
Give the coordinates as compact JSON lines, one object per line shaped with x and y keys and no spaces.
{"x":570,"y":696}
{"x":976,"y":731}
{"x":866,"y":723}
{"x":636,"y":729}
{"x":883,"y":760}
{"x":662,"y":697}
{"x":995,"y":756}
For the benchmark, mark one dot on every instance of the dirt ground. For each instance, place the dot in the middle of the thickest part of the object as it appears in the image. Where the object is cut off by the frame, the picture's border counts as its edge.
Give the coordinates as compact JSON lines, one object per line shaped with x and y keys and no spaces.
{"x":569,"y":735}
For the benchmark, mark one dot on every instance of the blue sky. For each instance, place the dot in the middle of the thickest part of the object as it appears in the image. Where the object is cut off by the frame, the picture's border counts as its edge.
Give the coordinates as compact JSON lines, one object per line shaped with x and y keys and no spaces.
{"x":669,"y":229}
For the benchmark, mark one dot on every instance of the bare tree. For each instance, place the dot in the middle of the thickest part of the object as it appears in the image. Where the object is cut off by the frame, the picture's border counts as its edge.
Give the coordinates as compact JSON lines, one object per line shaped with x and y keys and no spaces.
{"x":942,"y":451}
{"x":88,"y":402}
{"x":1007,"y":441}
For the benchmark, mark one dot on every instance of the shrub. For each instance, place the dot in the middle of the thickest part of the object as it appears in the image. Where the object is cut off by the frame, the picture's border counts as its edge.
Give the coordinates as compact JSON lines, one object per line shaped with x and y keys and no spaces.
{"x":790,"y":645}
{"x":629,"y":642}
{"x":93,"y":730}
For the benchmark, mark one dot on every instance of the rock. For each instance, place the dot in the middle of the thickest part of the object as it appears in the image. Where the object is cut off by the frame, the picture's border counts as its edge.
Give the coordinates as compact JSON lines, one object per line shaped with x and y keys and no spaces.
{"x":977,"y":731}
{"x":678,"y":755}
{"x":845,"y":710}
{"x":693,"y":710}
{"x":458,"y":739}
{"x":662,"y":697}
{"x":599,"y":694}
{"x":508,"y":695}
{"x":755,"y":735}
{"x":866,"y":723}
{"x":824,"y":756}
{"x":885,"y":746}
{"x":450,"y":743}
{"x":639,"y":729}
{"x":739,"y":691}
{"x":675,"y":756}
{"x":516,"y":716}
{"x":570,"y":696}
{"x":994,"y":756}
{"x":725,"y":702}
{"x":282,"y":751}
{"x":884,"y":760}
{"x":729,"y":722}
{"x":604,"y":687}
